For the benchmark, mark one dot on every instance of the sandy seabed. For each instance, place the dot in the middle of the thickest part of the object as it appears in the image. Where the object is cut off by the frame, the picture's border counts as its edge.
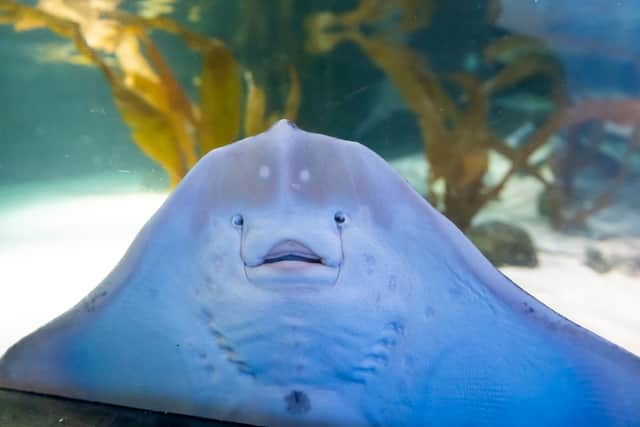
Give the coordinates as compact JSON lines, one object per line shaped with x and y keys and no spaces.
{"x":58,"y":241}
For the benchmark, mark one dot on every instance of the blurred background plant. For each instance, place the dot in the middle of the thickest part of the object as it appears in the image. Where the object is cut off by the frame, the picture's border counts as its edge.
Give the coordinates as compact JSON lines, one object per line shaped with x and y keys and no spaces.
{"x":165,"y":124}
{"x":393,"y":74}
{"x":454,"y":124}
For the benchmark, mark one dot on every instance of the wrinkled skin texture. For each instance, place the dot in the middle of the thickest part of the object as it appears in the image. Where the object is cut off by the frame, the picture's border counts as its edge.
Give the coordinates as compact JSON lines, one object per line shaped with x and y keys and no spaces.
{"x":295,"y":279}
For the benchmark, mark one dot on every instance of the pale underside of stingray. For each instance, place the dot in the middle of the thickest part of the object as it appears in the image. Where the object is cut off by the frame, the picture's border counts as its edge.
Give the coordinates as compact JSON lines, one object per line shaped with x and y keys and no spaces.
{"x":295,"y":279}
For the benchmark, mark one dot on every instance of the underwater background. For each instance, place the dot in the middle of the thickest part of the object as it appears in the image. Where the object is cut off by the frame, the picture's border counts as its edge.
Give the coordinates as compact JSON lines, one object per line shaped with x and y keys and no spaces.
{"x":518,"y":119}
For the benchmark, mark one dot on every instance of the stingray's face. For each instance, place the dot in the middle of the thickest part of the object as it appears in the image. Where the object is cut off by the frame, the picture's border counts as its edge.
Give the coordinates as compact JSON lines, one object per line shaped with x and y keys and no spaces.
{"x":296,"y":276}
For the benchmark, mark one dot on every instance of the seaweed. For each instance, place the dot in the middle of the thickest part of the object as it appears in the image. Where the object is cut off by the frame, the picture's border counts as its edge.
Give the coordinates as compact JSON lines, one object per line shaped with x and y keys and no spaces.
{"x":567,"y":165}
{"x":455,"y":130}
{"x":453,"y":110}
{"x":164,"y":123}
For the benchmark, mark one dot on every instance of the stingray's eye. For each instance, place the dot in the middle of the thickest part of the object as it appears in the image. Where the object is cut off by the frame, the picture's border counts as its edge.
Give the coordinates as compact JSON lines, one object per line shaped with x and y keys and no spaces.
{"x":237,"y":220}
{"x":340,"y":218}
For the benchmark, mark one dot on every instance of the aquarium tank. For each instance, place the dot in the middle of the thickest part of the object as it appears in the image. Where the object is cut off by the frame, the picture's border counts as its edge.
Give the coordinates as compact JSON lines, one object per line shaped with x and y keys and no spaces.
{"x":516,"y":119}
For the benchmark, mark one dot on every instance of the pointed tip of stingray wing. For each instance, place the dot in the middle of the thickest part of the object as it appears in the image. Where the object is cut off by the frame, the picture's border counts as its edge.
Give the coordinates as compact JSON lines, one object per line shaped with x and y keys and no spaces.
{"x":29,"y":366}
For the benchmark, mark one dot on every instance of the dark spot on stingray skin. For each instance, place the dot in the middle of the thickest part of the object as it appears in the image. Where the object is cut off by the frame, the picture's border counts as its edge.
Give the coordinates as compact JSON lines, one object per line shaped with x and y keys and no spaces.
{"x":429,"y":312}
{"x":206,"y":313}
{"x":370,"y":260}
{"x":298,"y":402}
{"x":393,"y":283}
{"x":409,"y":363}
{"x":455,"y":291}
{"x":226,"y":348}
{"x":93,"y":300}
{"x":527,"y":308}
{"x":387,"y":342}
{"x":244,"y":369}
{"x":209,"y":369}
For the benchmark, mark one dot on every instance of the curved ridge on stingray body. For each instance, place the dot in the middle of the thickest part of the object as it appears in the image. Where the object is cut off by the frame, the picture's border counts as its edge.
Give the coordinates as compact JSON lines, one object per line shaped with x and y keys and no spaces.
{"x":294,"y":279}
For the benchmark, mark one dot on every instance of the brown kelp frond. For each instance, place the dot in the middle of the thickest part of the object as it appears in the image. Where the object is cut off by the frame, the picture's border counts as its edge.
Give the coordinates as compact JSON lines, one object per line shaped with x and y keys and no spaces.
{"x":416,"y":14}
{"x":145,"y":92}
{"x":195,"y":41}
{"x":257,"y":119}
{"x":178,"y":100}
{"x":475,"y":100}
{"x":165,"y":124}
{"x":605,"y":197}
{"x":60,"y":52}
{"x":220,"y":97}
{"x":180,"y":110}
{"x":456,"y":134}
{"x":292,"y":103}
{"x":524,"y":67}
{"x":326,"y":29}
{"x":217,"y":122}
{"x":27,"y":18}
{"x":520,"y":156}
{"x":99,"y":32}
{"x":511,"y":47}
{"x":453,"y":135}
{"x":152,"y":131}
{"x":155,"y":8}
{"x":408,"y":70}
{"x":254,"y":121}
{"x":524,"y":57}
{"x":460,"y":158}
{"x":521,"y":58}
{"x":624,"y":112}
{"x":151,"y":128}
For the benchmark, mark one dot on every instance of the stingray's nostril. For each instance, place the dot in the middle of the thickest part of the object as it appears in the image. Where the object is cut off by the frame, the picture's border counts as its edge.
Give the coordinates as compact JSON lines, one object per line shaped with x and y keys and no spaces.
{"x":340,"y":218}
{"x":237,"y":220}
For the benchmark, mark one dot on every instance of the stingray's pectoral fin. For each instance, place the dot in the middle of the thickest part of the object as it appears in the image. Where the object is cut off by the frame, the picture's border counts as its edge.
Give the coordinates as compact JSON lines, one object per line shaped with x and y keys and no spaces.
{"x":17,"y":369}
{"x":33,"y":365}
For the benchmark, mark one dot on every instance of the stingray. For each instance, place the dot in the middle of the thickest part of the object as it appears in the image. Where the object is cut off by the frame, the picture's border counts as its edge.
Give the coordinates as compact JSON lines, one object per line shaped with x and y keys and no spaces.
{"x":294,"y":279}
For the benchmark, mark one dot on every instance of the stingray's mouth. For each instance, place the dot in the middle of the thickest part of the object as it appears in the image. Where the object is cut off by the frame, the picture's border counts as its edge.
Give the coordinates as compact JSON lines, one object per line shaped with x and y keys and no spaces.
{"x":300,"y":254}
{"x":290,"y":251}
{"x":292,"y":263}
{"x":292,"y":257}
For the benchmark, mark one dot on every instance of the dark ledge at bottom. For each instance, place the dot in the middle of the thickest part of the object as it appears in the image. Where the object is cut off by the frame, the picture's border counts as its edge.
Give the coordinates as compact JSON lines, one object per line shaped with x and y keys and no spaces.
{"x":20,"y":409}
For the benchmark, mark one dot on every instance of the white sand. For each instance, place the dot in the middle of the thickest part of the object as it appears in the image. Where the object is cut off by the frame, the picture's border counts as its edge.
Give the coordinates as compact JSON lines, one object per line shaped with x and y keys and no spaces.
{"x":607,"y":304}
{"x":57,"y":243}
{"x":55,"y":249}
